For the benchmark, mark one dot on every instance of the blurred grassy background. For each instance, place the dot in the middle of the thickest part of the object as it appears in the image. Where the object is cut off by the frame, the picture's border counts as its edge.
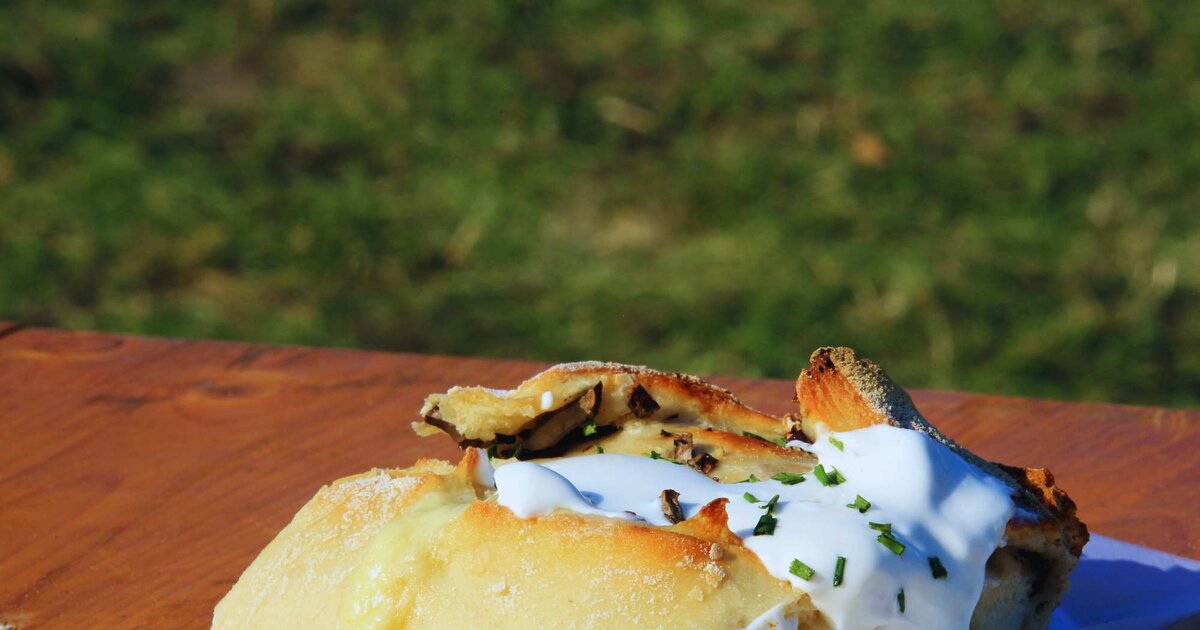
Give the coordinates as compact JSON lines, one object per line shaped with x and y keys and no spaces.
{"x":992,"y":196}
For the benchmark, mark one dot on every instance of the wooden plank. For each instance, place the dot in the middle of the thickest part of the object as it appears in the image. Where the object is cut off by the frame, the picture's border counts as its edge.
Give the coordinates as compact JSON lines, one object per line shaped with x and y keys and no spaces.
{"x":138,"y":477}
{"x":7,"y":328}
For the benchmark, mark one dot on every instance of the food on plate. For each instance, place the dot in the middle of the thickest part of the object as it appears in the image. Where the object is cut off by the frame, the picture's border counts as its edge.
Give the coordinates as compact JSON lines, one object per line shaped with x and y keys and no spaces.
{"x":602,"y":495}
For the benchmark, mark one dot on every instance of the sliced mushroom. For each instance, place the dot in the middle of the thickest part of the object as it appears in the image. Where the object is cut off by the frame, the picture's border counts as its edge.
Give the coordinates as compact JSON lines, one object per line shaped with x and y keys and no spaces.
{"x":683,"y":446}
{"x":704,"y":462}
{"x":641,"y":403}
{"x":551,"y":427}
{"x":434,"y":418}
{"x":670,"y":505}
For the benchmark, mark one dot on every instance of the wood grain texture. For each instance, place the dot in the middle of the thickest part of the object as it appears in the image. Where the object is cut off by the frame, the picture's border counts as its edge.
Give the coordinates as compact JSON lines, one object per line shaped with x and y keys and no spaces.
{"x":139,"y":477}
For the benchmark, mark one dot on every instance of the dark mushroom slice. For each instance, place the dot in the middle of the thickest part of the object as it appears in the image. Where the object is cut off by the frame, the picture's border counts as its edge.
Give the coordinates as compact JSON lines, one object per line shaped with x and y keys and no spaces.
{"x":549,"y":428}
{"x":641,"y":403}
{"x":683,"y":446}
{"x":434,"y":418}
{"x":670,"y":505}
{"x":704,"y":462}
{"x":685,"y":451}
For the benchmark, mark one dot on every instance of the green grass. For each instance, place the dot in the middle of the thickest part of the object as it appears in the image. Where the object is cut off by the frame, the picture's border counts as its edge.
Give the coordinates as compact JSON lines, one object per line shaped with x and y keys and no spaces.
{"x":997,"y":197}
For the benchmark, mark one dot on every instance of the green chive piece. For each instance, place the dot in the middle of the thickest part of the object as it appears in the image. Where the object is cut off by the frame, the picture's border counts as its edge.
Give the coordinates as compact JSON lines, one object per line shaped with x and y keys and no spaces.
{"x":781,"y":441}
{"x":828,"y":478}
{"x":765,"y":525}
{"x":860,"y":504}
{"x":838,"y":570}
{"x":750,"y":497}
{"x":787,"y":478}
{"x":599,"y":449}
{"x":491,"y":451}
{"x":935,"y":566}
{"x":837,"y":443}
{"x":750,"y":479}
{"x":900,"y":599}
{"x":766,"y":522}
{"x":589,"y":429}
{"x":882,"y":527}
{"x":801,"y":570}
{"x":655,"y":455}
{"x":836,"y":477}
{"x":893,"y":545}
{"x":821,"y":475}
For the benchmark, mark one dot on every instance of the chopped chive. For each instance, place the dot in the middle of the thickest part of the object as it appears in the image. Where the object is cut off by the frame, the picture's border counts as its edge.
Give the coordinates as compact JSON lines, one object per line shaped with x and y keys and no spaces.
{"x":900,"y":599}
{"x":935,"y":566}
{"x":589,"y":429}
{"x":765,"y":525}
{"x":860,"y":504}
{"x":787,"y":478}
{"x":750,"y":497}
{"x":821,"y":475}
{"x":801,"y":570}
{"x":781,"y":441}
{"x":766,"y":522}
{"x":882,"y":527}
{"x":893,"y":545}
{"x":599,"y":449}
{"x":491,"y":451}
{"x":828,"y":478}
{"x":836,"y":477}
{"x":838,"y":570}
{"x":750,"y":479}
{"x":655,"y":455}
{"x":837,"y":443}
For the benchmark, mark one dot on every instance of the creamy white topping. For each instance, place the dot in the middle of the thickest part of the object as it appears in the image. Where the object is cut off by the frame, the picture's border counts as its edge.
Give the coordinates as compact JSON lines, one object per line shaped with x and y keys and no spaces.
{"x":483,"y":473}
{"x":548,"y":491}
{"x":938,"y":505}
